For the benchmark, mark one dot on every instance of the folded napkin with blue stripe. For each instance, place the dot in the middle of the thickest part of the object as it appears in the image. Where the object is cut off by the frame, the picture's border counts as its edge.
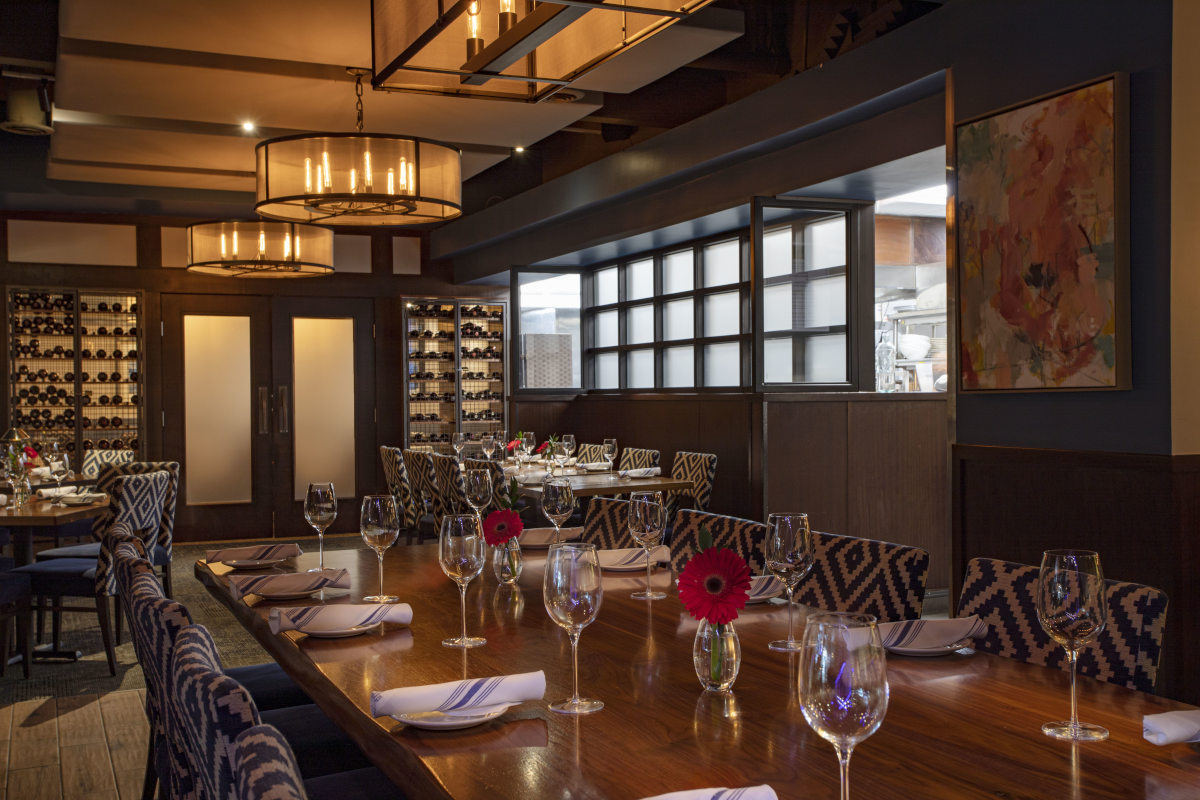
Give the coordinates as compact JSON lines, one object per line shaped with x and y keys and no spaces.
{"x":532,"y":476}
{"x":55,"y":491}
{"x":764,"y":586}
{"x":544,"y":537}
{"x":917,"y":634}
{"x":340,"y":617}
{"x":261,"y":552}
{"x":83,"y":498}
{"x":289,"y":583}
{"x":1172,"y":727}
{"x":645,"y":472}
{"x":472,"y":696}
{"x":763,"y":792}
{"x":630,"y":556}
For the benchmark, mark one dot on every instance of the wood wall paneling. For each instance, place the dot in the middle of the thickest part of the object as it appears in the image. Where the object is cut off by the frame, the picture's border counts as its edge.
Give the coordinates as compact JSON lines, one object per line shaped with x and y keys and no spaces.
{"x":806,"y":461}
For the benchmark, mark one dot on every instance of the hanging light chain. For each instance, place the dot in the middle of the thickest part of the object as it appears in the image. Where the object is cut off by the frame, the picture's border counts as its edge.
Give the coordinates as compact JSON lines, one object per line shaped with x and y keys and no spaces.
{"x":358,"y":105}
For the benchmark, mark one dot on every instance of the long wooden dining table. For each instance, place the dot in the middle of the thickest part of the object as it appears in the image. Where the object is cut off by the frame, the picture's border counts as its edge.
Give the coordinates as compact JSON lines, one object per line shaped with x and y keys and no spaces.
{"x":957,"y":726}
{"x":590,"y":484}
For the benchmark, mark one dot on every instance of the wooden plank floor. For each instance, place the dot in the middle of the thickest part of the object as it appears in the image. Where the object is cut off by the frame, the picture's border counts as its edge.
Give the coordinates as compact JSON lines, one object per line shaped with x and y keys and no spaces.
{"x":86,"y":746}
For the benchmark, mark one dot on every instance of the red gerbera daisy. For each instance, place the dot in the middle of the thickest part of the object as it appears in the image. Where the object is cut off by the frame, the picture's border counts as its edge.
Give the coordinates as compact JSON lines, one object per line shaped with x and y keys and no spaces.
{"x":501,"y":525}
{"x":714,"y":585}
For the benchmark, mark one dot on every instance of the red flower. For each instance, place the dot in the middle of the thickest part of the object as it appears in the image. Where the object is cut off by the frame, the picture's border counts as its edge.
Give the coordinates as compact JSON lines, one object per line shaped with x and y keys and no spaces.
{"x":513,"y":445}
{"x":502,"y":525}
{"x":542,"y":446}
{"x":30,"y":452}
{"x":714,"y":585}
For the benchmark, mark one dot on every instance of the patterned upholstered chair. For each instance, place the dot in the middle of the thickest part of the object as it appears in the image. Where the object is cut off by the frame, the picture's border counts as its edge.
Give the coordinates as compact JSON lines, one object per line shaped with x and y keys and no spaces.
{"x":499,"y":479}
{"x":638,"y":458}
{"x":590,"y":454}
{"x":400,"y":487}
{"x":701,"y":470}
{"x":745,"y":537}
{"x":450,"y":494}
{"x":265,"y":768}
{"x":419,"y":464}
{"x":95,"y":460}
{"x":1127,"y":652}
{"x":606,"y":524}
{"x":865,"y":576}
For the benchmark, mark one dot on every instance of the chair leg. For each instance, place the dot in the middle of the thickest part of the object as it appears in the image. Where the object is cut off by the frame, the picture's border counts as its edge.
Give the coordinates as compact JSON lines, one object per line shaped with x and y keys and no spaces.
{"x":150,"y":780}
{"x":106,"y":632}
{"x":41,"y":618}
{"x":117,"y":618}
{"x":5,"y":641}
{"x":24,"y":641}
{"x":55,"y":622}
{"x":166,"y":580}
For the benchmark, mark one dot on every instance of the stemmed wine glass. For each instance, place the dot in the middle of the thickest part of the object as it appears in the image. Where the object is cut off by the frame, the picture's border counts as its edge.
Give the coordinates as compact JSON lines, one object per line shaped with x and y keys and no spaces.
{"x":528,"y":444}
{"x":568,"y":444}
{"x":488,"y":444}
{"x":609,"y":452}
{"x":478,"y":484}
{"x":1071,"y":608}
{"x":59,"y":469}
{"x":461,"y":554}
{"x":458,"y":441}
{"x":320,"y":510}
{"x":572,"y":591}
{"x":789,"y":557}
{"x":379,"y":526}
{"x":559,"y":455}
{"x":558,"y":502}
{"x":843,"y":682}
{"x":647,"y":519}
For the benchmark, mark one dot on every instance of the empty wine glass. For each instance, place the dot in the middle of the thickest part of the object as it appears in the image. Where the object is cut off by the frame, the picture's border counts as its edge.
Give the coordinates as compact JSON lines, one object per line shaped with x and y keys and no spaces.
{"x":647,"y":519}
{"x":789,"y":557}
{"x":502,"y":441}
{"x":379,"y":526}
{"x":478,"y":484}
{"x":559,"y":454}
{"x":843,"y":684}
{"x":488,"y":444}
{"x":572,"y":591}
{"x":59,"y":469}
{"x":609,"y":452}
{"x":458,"y":441}
{"x":528,"y":443}
{"x":558,"y":502}
{"x":568,"y":444}
{"x":1071,"y":608}
{"x":461,"y":554}
{"x":320,"y":510}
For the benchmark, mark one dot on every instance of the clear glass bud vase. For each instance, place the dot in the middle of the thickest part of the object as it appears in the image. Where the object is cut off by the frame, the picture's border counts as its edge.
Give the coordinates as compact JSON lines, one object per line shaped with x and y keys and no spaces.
{"x":507,"y":562}
{"x":717,"y":655}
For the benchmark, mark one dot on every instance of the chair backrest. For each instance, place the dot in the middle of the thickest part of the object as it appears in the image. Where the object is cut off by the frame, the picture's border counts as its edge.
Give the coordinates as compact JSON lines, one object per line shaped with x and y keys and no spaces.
{"x":264,"y":766}
{"x":606,"y":524}
{"x":590,"y":454}
{"x":419,"y":464}
{"x":865,"y":576}
{"x":1127,"y":651}
{"x":166,"y":531}
{"x":212,"y":708}
{"x":499,"y":479}
{"x":701,"y":470}
{"x":450,"y":493}
{"x":743,"y":536}
{"x":638,"y":458}
{"x":96,"y":460}
{"x":137,"y":504}
{"x":399,"y":486}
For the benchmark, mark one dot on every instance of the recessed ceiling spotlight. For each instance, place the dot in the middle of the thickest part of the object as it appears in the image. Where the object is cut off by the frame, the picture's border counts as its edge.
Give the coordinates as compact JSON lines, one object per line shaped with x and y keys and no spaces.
{"x":248,"y":127}
{"x":518,"y":149}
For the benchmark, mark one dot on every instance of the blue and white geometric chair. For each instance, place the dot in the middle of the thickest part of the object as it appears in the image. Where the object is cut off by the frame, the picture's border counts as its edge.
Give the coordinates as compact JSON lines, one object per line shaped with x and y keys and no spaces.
{"x":865,"y":576}
{"x":265,"y":768}
{"x":743,"y":536}
{"x":638,"y":458}
{"x":400,"y":487}
{"x":606,"y":524}
{"x":95,"y":460}
{"x":701,"y":470}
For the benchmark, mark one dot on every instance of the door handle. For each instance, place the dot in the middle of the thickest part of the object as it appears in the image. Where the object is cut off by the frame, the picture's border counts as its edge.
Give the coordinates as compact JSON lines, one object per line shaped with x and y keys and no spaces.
{"x":264,"y":410}
{"x":282,"y":396}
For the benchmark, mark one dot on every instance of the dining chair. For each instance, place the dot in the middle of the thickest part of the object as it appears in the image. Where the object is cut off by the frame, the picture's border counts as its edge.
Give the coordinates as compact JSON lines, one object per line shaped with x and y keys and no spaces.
{"x":701,"y":470}
{"x":95,"y":460}
{"x":1127,"y":652}
{"x":865,"y":576}
{"x":638,"y":458}
{"x":450,"y":493}
{"x":419,"y":464}
{"x":743,"y":536}
{"x":400,"y":487}
{"x":500,"y":481}
{"x":264,"y":767}
{"x":590,"y":454}
{"x":606,"y":524}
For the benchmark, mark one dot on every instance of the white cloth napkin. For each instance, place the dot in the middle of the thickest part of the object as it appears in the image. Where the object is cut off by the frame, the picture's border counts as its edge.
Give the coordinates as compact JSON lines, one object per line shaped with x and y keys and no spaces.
{"x":46,"y":494}
{"x":645,"y":472}
{"x":39,"y":472}
{"x":3,"y":499}
{"x":289,"y":583}
{"x":339,"y":617}
{"x":763,"y":587}
{"x":511,"y":470}
{"x":593,"y":466}
{"x":533,"y":476}
{"x":544,"y":537}
{"x":260,"y":552}
{"x":916,"y":634}
{"x":460,"y":696}
{"x":763,"y":792}
{"x":629,"y":556}
{"x":1172,"y":727}
{"x":84,"y":498}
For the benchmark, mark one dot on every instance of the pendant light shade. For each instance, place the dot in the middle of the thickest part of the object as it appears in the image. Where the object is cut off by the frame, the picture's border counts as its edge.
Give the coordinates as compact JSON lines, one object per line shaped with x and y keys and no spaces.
{"x":260,"y":249}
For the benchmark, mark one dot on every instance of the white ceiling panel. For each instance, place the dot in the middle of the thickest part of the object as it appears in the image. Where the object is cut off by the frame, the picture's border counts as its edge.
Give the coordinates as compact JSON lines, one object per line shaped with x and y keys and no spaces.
{"x":152,"y":148}
{"x":147,"y":176}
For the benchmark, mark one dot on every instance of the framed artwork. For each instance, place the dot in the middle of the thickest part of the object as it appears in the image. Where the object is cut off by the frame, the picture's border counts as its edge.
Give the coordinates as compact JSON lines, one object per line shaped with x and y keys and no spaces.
{"x":1040,"y":220}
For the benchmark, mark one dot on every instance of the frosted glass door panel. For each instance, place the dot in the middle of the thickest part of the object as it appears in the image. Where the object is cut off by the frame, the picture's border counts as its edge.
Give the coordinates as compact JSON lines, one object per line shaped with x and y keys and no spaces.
{"x":825,"y":302}
{"x":777,"y":252}
{"x":825,"y":244}
{"x":777,"y":307}
{"x":323,"y":403}
{"x":825,"y":359}
{"x":777,"y":361}
{"x":217,"y":409}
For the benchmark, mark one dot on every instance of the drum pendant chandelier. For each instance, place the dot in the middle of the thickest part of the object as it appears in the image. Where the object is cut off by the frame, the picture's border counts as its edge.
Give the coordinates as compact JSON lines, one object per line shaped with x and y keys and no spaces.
{"x":358,"y":178}
{"x":260,"y":249}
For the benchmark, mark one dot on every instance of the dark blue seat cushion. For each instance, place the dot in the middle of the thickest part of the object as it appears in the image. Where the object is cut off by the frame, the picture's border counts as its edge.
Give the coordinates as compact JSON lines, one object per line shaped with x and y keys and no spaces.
{"x":68,"y":577}
{"x":269,"y":685}
{"x":92,"y":550}
{"x":13,"y":587}
{"x":320,"y":746}
{"x":365,"y":783}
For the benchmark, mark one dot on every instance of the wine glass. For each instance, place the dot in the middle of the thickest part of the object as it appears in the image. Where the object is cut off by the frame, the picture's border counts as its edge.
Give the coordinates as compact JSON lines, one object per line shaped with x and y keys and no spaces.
{"x":458,"y":441}
{"x":59,"y":469}
{"x":488,"y":444}
{"x":647,"y":519}
{"x":461,"y":554}
{"x":528,"y":444}
{"x":502,"y":441}
{"x":789,"y":557}
{"x":379,"y":526}
{"x":559,"y":454}
{"x":320,"y":510}
{"x":609,"y":452}
{"x":558,"y":502}
{"x":572,"y":591}
{"x":1071,"y":608}
{"x":478,"y":484}
{"x":843,"y":682}
{"x":568,"y":444}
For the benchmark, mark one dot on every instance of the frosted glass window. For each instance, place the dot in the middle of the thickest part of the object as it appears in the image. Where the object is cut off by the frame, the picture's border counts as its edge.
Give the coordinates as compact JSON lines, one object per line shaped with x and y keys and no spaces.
{"x":641,"y":369}
{"x":217,"y":409}
{"x":722,"y":314}
{"x":639,"y":277}
{"x":679,"y":367}
{"x":777,"y":307}
{"x":722,"y":263}
{"x":722,"y":364}
{"x":825,"y":244}
{"x":777,"y":361}
{"x":639,"y":325}
{"x":323,"y":404}
{"x":608,"y":371}
{"x":679,"y":319}
{"x":825,"y":302}
{"x":777,"y":252}
{"x":606,"y":286}
{"x":678,"y":272}
{"x":825,"y":359}
{"x":606,"y":329}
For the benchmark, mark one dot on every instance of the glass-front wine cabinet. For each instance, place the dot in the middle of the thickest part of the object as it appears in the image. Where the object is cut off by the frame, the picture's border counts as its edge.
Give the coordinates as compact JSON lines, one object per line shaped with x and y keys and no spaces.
{"x":456,"y":371}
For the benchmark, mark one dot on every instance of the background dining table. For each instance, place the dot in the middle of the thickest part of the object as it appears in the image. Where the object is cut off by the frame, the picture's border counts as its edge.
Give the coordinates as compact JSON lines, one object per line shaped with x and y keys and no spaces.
{"x":589,"y":484}
{"x":39,"y":515}
{"x":960,"y":725}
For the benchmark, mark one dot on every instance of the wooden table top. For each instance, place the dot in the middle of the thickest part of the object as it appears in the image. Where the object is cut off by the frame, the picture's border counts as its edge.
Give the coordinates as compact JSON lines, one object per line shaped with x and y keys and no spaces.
{"x":594,"y":483}
{"x":39,"y":513}
{"x":957,"y":726}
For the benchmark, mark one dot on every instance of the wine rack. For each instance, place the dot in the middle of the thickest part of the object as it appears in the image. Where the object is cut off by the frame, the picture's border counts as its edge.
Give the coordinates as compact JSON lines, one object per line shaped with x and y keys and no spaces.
{"x":75,"y":368}
{"x":455,"y":368}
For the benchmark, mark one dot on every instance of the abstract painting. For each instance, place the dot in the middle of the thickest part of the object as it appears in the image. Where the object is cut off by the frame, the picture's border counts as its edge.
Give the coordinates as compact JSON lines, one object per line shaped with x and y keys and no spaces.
{"x":1041,"y":277}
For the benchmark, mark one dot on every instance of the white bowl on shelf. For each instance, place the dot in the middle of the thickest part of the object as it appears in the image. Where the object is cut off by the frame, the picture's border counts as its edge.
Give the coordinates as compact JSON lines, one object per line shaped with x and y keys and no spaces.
{"x":914,"y":346}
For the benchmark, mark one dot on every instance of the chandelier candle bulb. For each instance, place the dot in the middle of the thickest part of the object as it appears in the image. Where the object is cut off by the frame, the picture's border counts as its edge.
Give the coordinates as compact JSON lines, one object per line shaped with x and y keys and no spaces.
{"x":391,"y":187}
{"x":235,"y":244}
{"x":367,"y":169}
{"x":308,"y":174}
{"x":508,"y":15}
{"x":328,"y":174}
{"x":474,"y":38}
{"x":262,"y":243}
{"x":223,"y":246}
{"x":353,"y":181}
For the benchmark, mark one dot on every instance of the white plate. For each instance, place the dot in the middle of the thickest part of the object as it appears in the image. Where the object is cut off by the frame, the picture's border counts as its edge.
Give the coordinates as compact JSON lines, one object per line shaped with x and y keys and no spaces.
{"x":593,"y":468}
{"x":335,"y":633}
{"x":766,"y":586}
{"x":439,"y":720}
{"x":286,"y":595}
{"x":254,"y":563}
{"x":637,"y":566}
{"x":927,"y":652}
